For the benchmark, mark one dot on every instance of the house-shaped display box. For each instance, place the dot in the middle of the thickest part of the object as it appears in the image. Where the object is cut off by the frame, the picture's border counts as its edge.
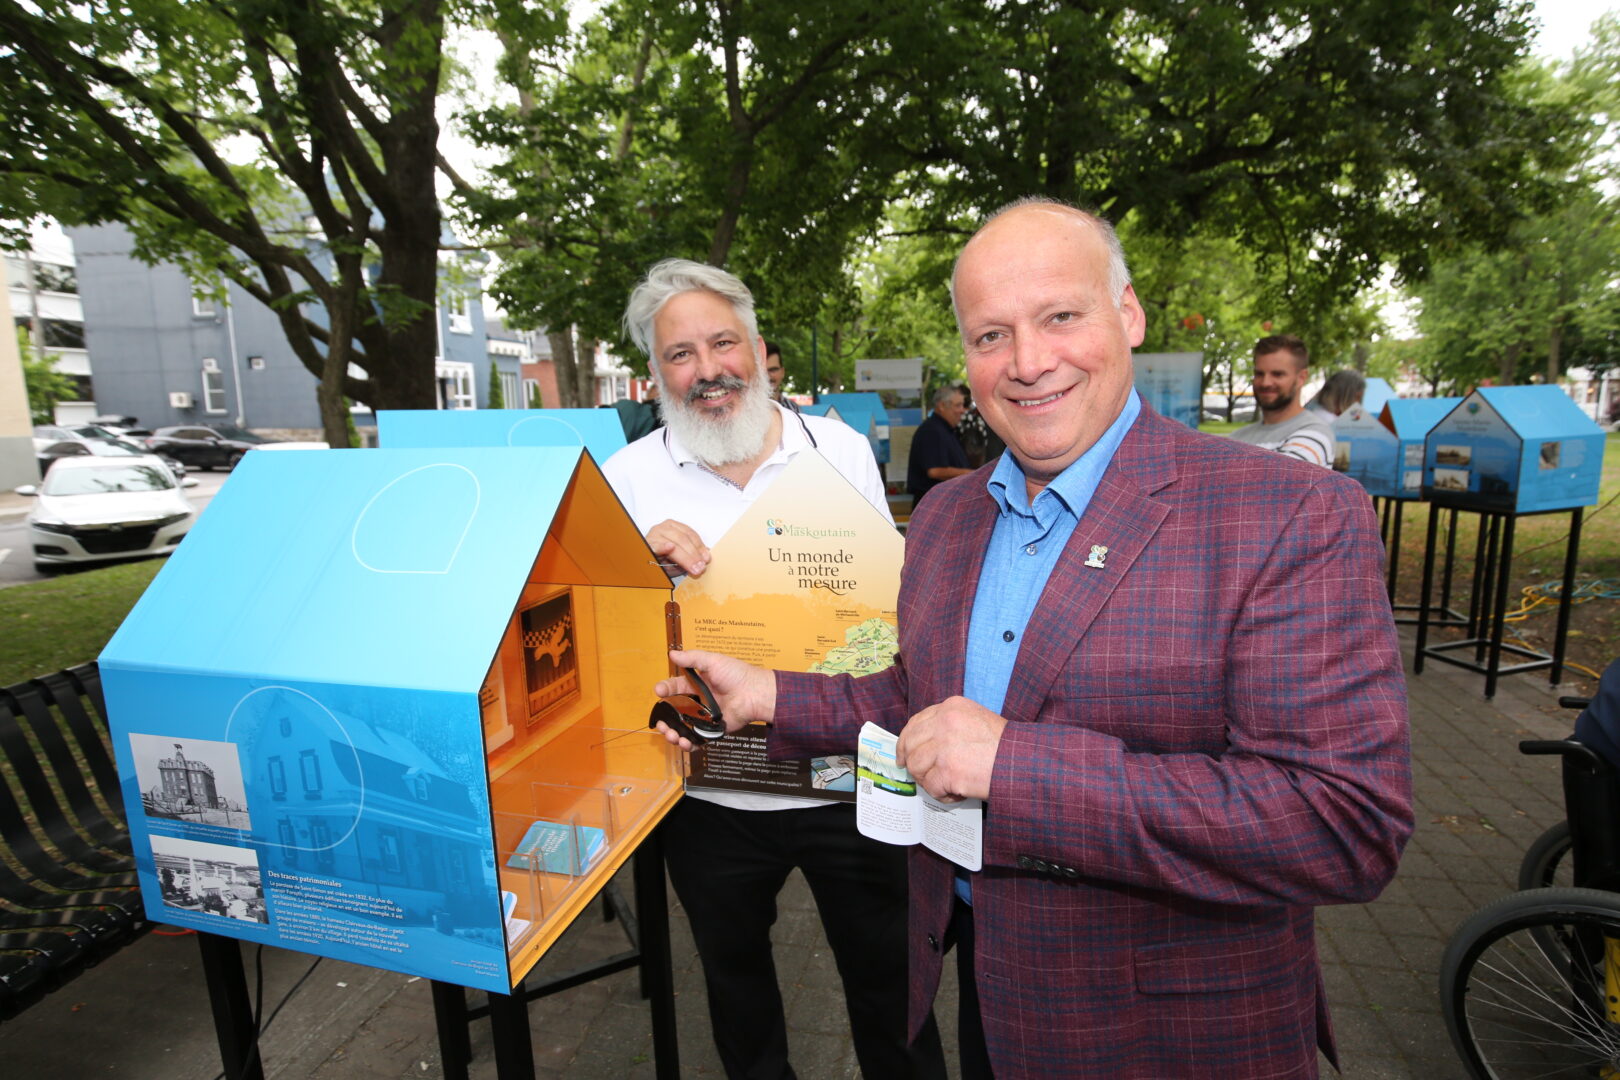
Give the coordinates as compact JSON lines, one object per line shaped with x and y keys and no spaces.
{"x":597,"y":430}
{"x":1410,"y":420}
{"x":864,"y":412}
{"x":1514,"y":449}
{"x":1378,"y":457}
{"x":1376,"y":394}
{"x":390,"y":706}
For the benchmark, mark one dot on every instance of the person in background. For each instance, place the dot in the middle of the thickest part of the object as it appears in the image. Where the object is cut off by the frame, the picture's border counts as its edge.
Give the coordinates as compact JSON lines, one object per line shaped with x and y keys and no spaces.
{"x":1282,"y":367}
{"x":1342,"y":389}
{"x":776,"y":373}
{"x":936,"y":451}
{"x":729,"y":853}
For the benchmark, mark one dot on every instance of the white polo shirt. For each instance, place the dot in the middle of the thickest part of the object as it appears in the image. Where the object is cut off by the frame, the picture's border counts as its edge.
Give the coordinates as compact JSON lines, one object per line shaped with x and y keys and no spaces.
{"x":658,"y":479}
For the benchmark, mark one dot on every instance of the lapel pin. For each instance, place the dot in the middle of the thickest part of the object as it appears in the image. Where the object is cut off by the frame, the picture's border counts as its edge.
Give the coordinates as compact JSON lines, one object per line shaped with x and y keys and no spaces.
{"x":1098,"y":554}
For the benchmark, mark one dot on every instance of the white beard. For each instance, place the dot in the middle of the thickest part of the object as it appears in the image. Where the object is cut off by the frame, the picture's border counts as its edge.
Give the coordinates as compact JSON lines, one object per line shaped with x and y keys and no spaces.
{"x":718,"y":439}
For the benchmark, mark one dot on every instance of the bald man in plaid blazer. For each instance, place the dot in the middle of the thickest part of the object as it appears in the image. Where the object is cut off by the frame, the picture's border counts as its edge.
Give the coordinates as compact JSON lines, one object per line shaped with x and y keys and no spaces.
{"x":1201,"y":732}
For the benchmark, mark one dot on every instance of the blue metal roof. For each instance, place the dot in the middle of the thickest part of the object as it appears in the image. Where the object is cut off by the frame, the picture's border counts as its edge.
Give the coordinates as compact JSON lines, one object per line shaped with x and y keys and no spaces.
{"x":1539,"y":412}
{"x":1412,"y":418}
{"x":394,"y":568}
{"x":598,"y":430}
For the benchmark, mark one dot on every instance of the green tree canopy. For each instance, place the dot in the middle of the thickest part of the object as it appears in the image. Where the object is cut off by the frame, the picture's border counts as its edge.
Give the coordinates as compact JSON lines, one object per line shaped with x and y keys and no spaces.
{"x":290,"y":148}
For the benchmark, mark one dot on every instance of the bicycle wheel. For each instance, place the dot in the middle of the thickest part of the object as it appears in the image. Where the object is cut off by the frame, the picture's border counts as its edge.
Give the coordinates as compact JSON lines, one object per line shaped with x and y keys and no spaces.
{"x":1546,"y":863}
{"x":1517,"y":1008}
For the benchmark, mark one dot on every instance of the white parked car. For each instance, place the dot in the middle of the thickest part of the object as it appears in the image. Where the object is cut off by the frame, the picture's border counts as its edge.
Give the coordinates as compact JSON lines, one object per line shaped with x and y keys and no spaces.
{"x":94,"y":508}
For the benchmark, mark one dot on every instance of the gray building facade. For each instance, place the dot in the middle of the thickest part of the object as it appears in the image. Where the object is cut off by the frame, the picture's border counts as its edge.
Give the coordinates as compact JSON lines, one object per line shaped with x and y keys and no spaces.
{"x":169,"y":357}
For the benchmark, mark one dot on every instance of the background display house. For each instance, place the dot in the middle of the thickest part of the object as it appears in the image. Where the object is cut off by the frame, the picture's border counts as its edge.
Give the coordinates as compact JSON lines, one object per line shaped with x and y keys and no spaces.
{"x":391,"y":738}
{"x":1514,"y":449}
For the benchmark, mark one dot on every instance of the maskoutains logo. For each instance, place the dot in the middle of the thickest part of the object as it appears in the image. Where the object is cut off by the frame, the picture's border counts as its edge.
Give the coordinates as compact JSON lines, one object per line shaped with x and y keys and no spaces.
{"x":780,"y":527}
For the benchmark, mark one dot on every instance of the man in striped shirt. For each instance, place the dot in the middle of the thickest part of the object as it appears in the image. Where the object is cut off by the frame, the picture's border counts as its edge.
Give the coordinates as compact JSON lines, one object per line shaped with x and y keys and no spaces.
{"x":1282,"y":367}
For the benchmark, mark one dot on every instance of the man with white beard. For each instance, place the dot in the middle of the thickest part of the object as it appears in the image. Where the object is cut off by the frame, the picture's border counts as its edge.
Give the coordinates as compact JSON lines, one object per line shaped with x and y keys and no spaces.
{"x":725,"y":441}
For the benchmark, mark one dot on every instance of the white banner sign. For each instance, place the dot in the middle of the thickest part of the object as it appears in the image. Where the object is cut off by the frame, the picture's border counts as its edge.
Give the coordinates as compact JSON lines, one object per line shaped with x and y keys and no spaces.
{"x":889,"y":374}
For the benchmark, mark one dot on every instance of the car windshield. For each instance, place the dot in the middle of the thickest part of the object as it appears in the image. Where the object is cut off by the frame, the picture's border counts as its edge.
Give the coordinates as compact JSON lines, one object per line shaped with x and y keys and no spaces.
{"x":114,"y":448}
{"x":231,"y":431}
{"x":107,"y":478}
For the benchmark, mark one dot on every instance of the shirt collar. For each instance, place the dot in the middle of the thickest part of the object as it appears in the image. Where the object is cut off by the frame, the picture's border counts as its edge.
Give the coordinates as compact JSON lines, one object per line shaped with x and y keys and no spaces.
{"x":793,"y":440}
{"x":1074,"y":486}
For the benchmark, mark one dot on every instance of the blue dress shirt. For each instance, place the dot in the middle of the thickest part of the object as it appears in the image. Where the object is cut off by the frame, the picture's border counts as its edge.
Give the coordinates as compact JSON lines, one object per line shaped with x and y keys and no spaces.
{"x":1024,"y":547}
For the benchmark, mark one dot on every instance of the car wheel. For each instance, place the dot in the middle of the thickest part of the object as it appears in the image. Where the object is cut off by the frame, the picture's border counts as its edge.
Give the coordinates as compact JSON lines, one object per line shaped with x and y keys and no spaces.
{"x":233,"y":461}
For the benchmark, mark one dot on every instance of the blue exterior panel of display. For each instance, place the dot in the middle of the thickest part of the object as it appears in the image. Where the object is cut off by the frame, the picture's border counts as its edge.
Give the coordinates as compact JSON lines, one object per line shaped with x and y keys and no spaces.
{"x":309,"y":772}
{"x":1411,"y":420}
{"x":597,"y":430}
{"x":1377,"y":394}
{"x":1520,"y":449}
{"x":1367,"y":452}
{"x":874,"y":424}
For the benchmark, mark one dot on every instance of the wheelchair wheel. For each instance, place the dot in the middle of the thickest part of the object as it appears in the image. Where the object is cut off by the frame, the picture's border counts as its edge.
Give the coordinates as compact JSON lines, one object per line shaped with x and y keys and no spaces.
{"x":1546,"y":864}
{"x":1517,"y":1007}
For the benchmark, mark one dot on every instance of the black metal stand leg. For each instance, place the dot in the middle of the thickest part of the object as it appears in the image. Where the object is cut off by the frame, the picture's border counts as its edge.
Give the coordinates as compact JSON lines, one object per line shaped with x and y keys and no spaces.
{"x":657,"y":972}
{"x":1395,"y":547}
{"x":233,"y":1013}
{"x":1499,"y":626}
{"x":450,"y":1015}
{"x":1451,"y":552}
{"x":1383,"y":523}
{"x":1566,"y":598}
{"x":509,"y":1027}
{"x":1423,"y":596}
{"x":1476,"y":605}
{"x":1491,"y":525}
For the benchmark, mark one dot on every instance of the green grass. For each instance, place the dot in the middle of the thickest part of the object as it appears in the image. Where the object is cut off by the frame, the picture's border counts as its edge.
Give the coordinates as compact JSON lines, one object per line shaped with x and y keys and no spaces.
{"x":1221,"y":427}
{"x":55,"y":624}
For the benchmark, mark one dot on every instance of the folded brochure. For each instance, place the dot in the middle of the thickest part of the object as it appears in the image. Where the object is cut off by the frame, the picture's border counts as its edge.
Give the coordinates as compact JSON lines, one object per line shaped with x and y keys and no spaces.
{"x":550,"y":846}
{"x":892,"y":807}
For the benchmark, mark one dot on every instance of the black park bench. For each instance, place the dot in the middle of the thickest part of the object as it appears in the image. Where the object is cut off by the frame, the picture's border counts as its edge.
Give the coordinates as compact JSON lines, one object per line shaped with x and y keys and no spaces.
{"x":68,"y":896}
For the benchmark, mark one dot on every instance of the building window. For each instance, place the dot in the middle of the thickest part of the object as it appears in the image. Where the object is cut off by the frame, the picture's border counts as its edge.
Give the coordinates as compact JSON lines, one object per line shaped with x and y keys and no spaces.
{"x":309,"y":768}
{"x":458,"y":313}
{"x":610,"y":388}
{"x":389,"y":841}
{"x":531,"y":393}
{"x":289,"y":842}
{"x":509,"y":390}
{"x":213,"y":388}
{"x":455,"y":381}
{"x":203,"y":307}
{"x":62,"y":334}
{"x":458,"y":865}
{"x":320,"y":838}
{"x":278,"y":779}
{"x":54,"y":277}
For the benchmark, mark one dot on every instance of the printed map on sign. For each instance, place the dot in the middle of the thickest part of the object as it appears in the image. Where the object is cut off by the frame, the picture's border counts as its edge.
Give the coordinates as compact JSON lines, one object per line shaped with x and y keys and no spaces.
{"x":806,"y":580}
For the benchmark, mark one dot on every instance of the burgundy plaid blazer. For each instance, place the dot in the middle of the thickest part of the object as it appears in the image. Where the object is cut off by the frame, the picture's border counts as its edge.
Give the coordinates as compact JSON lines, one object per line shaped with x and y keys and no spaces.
{"x":1207,"y":738}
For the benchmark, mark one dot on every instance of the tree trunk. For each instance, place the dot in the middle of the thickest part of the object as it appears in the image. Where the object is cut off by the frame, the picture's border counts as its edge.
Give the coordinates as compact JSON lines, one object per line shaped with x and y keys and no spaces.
{"x":585,"y":372}
{"x":1508,"y":364}
{"x":562,"y":360}
{"x":1555,"y":351}
{"x":1360,"y":356}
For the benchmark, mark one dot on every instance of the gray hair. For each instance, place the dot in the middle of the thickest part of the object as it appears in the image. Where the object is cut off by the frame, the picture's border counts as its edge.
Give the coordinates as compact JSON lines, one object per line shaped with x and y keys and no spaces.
{"x":943,"y":392}
{"x":1341,"y":390}
{"x":1119,"y":274}
{"x":669,"y":279}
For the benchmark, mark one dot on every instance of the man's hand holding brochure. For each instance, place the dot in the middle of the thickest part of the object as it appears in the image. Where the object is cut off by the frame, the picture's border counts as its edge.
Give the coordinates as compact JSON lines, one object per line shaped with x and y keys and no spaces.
{"x":892,"y":807}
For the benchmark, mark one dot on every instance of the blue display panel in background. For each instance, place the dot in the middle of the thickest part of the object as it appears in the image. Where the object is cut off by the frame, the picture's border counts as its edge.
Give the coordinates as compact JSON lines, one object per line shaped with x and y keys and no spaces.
{"x":1518,"y":449}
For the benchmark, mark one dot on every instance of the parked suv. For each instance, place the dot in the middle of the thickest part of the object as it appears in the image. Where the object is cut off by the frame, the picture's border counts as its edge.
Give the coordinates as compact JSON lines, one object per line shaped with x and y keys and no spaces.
{"x":201,"y":447}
